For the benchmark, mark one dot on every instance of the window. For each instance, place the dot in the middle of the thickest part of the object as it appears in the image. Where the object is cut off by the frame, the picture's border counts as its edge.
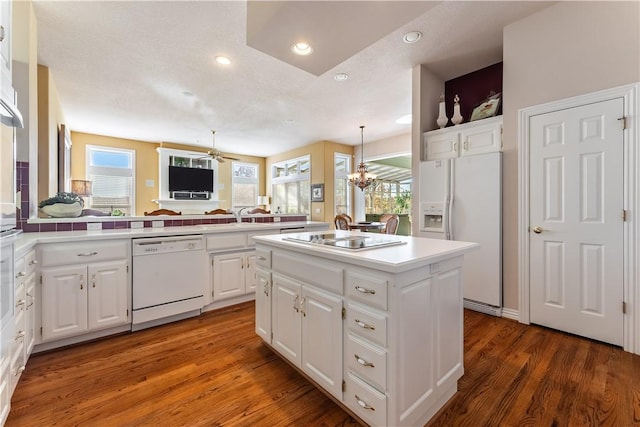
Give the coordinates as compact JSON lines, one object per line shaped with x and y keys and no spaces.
{"x":387,"y":197}
{"x":291,"y":186}
{"x":342,"y":196}
{"x":111,"y":171}
{"x":244,"y":184}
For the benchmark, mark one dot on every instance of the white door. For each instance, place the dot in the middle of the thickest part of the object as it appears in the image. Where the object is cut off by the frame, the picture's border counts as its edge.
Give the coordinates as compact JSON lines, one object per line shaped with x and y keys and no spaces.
{"x":576,"y":229}
{"x":322,"y":339}
{"x":228,"y":276}
{"x":107,"y":294}
{"x":286,"y":323}
{"x":64,"y":302}
{"x":250,"y":279}
{"x":263,"y":305}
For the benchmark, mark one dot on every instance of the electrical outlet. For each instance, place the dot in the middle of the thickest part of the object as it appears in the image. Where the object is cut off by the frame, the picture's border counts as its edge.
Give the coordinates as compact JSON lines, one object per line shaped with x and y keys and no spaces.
{"x":157,"y":224}
{"x":276,"y":219}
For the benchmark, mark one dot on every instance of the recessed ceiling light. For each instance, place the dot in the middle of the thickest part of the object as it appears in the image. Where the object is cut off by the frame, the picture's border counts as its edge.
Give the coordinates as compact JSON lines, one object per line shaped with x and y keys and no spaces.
{"x":289,"y":121}
{"x":301,"y":48}
{"x":412,"y":36}
{"x":187,"y":93}
{"x":404,"y":120}
{"x":223,"y":60}
{"x":340,"y":77}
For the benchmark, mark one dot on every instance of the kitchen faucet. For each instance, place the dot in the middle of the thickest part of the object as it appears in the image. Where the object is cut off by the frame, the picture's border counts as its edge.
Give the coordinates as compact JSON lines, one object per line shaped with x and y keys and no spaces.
{"x":238,"y":214}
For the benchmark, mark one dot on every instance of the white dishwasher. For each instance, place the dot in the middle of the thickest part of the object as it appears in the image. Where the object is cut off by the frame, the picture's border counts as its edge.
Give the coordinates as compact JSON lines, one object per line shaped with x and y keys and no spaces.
{"x":169,"y":279}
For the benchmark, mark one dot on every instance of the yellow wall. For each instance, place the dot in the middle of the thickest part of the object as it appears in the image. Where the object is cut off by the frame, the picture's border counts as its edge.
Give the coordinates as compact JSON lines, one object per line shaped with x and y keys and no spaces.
{"x":322,"y":172}
{"x":147,"y":166}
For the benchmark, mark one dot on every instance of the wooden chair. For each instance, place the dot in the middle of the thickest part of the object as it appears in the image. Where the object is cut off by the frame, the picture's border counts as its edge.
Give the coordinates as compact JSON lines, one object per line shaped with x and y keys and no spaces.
{"x":217,"y":212}
{"x":342,"y":221}
{"x":391,"y":222}
{"x":162,"y":212}
{"x":259,"y":211}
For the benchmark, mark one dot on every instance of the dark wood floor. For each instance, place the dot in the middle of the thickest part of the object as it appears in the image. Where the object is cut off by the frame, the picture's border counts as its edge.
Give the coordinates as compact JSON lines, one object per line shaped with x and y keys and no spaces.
{"x":213,"y":370}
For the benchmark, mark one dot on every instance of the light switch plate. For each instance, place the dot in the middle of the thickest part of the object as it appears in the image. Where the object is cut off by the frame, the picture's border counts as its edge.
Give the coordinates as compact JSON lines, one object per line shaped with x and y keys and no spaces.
{"x":150,"y":183}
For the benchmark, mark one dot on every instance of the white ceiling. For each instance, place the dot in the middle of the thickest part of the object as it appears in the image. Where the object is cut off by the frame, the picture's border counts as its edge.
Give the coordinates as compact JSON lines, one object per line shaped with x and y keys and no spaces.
{"x":121,"y":68}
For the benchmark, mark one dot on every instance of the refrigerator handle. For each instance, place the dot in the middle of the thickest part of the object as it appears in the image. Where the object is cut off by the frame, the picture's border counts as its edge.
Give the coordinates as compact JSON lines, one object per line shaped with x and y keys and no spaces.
{"x":450,"y":198}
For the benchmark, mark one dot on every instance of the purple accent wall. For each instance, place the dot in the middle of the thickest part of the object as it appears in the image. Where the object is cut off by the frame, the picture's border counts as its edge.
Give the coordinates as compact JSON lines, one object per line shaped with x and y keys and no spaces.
{"x":473,"y":88}
{"x":22,"y":215}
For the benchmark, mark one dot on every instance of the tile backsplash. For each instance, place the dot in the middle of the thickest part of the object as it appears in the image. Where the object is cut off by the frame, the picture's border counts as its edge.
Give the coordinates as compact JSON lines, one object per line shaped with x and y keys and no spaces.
{"x":22,"y":214}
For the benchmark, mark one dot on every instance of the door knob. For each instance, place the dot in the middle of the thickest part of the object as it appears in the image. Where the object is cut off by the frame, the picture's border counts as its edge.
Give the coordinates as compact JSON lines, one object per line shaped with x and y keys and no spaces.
{"x":537,"y":230}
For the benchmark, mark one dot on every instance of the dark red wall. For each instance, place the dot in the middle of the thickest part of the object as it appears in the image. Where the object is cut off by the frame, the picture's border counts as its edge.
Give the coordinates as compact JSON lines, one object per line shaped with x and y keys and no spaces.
{"x":473,"y":88}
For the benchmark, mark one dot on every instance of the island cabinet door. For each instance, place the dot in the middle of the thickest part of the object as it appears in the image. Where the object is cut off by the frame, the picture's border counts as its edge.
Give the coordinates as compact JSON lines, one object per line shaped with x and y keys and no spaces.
{"x":263,"y":305}
{"x":322,"y":338}
{"x":286,"y":324}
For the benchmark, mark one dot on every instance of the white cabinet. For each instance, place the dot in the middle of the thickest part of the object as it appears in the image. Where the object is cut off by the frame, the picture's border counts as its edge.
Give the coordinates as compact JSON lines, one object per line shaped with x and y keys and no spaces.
{"x":5,"y":40}
{"x":79,"y":299}
{"x":263,"y":304}
{"x":468,"y":139}
{"x":233,"y":274}
{"x":21,"y":341}
{"x":85,"y":287}
{"x":307,"y":330}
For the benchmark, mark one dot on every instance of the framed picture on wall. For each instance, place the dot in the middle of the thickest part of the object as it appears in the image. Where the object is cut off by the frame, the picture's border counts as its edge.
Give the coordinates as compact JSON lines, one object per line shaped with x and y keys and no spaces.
{"x":488,"y":107}
{"x":317,"y":192}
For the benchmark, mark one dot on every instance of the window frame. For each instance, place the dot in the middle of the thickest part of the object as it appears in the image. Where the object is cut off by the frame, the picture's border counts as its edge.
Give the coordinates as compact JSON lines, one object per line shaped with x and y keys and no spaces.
{"x":113,"y":171}
{"x":342,"y":176}
{"x":302,"y":166}
{"x":242,"y":180}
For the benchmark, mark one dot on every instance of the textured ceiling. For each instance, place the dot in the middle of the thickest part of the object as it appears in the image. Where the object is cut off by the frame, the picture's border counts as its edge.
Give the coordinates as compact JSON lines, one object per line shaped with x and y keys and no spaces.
{"x":122,"y":68}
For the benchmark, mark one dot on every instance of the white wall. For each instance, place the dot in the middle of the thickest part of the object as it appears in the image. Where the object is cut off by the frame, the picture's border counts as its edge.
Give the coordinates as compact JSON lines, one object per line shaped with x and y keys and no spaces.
{"x":568,"y":49}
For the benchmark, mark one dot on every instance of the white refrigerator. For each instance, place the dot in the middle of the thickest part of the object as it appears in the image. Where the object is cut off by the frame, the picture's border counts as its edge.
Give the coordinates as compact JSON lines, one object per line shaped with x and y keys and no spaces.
{"x":461,"y":199}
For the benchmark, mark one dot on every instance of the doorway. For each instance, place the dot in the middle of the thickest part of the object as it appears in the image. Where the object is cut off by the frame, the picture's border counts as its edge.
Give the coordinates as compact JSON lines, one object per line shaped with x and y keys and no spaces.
{"x":577,"y":246}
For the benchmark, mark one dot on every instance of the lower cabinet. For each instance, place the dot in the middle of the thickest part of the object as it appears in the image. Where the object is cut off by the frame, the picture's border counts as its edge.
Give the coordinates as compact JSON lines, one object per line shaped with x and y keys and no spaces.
{"x":263,"y":304}
{"x":234,"y":274}
{"x":83,"y":298}
{"x":307,"y":330}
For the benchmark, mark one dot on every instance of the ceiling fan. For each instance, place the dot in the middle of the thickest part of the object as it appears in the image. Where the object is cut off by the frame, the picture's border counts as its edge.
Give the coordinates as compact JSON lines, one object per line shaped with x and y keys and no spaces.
{"x":216,"y":154}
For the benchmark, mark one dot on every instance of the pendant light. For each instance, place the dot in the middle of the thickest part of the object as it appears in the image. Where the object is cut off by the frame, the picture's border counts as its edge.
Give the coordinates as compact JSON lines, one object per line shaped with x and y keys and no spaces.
{"x":361,"y":178}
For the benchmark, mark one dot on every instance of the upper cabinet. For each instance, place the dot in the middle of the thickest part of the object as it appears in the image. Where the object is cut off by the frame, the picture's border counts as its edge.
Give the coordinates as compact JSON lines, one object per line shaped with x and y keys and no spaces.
{"x":468,"y":139}
{"x":5,"y":40}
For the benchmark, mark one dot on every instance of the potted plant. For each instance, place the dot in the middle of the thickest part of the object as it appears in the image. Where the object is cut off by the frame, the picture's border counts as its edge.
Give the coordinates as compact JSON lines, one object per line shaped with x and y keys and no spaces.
{"x":62,"y":205}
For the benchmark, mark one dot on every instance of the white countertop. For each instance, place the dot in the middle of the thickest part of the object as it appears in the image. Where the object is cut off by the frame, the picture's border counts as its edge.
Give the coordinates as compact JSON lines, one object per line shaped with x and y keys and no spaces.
{"x":28,"y":240}
{"x":413,"y":253}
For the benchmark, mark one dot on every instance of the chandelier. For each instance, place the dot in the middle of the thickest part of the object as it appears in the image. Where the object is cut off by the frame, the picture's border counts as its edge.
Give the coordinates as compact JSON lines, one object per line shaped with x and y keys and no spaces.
{"x":362,"y":178}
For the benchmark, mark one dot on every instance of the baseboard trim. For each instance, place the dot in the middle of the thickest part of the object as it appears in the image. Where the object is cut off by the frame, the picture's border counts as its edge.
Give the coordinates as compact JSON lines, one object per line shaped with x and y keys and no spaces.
{"x":510,"y":313}
{"x":483,"y":308}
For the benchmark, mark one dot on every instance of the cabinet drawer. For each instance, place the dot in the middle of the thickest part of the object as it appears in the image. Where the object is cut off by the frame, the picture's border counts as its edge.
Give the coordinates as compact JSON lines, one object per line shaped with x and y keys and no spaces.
{"x":217,"y":242}
{"x":251,"y":243}
{"x":367,"y":289}
{"x":76,"y":253}
{"x":368,"y":361}
{"x":367,"y":324}
{"x":263,"y":257}
{"x":309,"y":270}
{"x":368,"y":403}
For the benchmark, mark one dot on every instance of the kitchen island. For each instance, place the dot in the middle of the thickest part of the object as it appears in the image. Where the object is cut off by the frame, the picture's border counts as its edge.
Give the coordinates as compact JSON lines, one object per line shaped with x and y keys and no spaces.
{"x":373,"y":320}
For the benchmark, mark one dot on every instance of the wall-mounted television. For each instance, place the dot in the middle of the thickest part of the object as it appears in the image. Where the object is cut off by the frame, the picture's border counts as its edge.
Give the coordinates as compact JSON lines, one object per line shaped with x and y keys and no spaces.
{"x":190,"y":179}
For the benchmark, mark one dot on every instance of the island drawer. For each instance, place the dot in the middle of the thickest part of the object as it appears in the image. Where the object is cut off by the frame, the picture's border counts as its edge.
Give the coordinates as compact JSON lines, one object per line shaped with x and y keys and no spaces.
{"x":367,"y":360}
{"x":367,"y":289}
{"x":309,"y":270}
{"x":76,"y":253}
{"x":263,"y":257}
{"x":367,"y":324}
{"x":368,"y":403}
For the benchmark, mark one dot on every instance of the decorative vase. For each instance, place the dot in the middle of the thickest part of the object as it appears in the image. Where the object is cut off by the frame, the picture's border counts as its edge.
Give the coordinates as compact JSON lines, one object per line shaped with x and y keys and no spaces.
{"x":457,"y":117}
{"x":62,"y":210}
{"x":442,"y":116}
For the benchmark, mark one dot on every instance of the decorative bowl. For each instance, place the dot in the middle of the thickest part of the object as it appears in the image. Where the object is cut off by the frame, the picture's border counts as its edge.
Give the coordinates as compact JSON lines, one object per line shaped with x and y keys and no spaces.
{"x":62,"y":210}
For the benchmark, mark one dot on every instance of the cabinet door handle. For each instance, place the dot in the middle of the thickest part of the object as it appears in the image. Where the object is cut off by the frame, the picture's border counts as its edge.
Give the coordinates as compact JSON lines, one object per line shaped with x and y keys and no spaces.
{"x":261,"y":258}
{"x":1,"y":33}
{"x":19,"y":302}
{"x":33,"y":262}
{"x":363,"y":362}
{"x":266,"y":289}
{"x":20,"y":335}
{"x":364,"y":404}
{"x":365,"y":290}
{"x":365,"y":325}
{"x":302,"y":307}
{"x":466,"y":144}
{"x":93,"y":280}
{"x":20,"y":274}
{"x":88,"y":254}
{"x":20,"y":370}
{"x":295,"y":304}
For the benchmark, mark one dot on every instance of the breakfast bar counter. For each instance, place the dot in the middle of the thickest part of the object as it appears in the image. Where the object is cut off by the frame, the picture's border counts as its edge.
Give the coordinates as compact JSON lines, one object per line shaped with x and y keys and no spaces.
{"x":374,"y":320}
